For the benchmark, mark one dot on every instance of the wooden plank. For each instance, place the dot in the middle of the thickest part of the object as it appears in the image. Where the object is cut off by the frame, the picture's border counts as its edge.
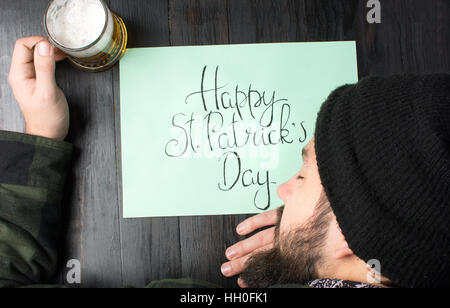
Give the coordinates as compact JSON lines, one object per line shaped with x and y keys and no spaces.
{"x":198,"y":22}
{"x":147,"y":21}
{"x":93,"y":234}
{"x":150,"y":246}
{"x":413,"y":37}
{"x":14,"y":24}
{"x":203,"y":239}
{"x":264,"y":21}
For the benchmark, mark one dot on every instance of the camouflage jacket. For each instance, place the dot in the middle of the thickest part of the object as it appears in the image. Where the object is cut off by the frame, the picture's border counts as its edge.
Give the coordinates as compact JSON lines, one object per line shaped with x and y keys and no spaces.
{"x":32,"y":176}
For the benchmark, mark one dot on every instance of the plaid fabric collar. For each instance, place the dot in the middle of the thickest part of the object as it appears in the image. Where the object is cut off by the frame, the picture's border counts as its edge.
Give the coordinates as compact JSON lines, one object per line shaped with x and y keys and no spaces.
{"x":338,"y":284}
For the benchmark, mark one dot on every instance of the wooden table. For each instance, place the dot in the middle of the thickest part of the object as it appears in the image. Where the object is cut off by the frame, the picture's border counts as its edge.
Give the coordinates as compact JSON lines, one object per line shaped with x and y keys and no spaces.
{"x":413,"y":37}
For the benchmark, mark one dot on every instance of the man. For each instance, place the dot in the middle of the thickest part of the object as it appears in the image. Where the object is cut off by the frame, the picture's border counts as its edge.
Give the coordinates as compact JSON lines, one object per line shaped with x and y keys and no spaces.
{"x":374,"y":185}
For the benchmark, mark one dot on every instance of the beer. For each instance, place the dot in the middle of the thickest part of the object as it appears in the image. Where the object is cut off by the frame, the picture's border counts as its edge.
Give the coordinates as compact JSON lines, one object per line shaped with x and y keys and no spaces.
{"x":93,"y":37}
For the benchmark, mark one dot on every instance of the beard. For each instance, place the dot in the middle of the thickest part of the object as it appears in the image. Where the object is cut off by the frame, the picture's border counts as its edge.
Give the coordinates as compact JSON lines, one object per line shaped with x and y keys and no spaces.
{"x":295,"y":257}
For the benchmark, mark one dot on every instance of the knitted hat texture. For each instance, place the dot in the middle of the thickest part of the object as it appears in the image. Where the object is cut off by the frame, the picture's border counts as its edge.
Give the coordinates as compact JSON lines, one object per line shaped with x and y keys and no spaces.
{"x":383,"y":153}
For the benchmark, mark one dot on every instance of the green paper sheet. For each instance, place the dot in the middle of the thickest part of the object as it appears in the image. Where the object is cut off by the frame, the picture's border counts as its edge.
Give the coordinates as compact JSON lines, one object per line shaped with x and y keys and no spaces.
{"x":213,"y":130}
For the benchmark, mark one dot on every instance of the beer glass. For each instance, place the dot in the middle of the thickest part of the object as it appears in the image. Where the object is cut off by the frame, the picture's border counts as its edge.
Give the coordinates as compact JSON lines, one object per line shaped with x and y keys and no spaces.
{"x":93,"y":37}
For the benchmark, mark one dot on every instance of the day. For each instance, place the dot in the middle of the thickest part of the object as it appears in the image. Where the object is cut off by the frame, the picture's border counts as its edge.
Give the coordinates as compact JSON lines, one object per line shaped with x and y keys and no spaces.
{"x":246,"y":178}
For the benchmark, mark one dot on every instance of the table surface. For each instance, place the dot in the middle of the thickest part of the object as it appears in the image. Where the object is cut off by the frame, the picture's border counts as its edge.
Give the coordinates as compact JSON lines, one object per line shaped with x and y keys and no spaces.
{"x":413,"y":37}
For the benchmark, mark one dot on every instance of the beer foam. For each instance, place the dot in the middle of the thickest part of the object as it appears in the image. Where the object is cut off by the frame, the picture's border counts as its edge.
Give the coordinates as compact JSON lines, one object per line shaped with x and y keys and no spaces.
{"x":75,"y":23}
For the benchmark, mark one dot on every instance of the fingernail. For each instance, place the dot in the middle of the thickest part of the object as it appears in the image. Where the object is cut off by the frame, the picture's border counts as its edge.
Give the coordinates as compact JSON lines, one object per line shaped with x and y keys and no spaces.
{"x":44,"y":49}
{"x":231,"y":253}
{"x":240,"y":282}
{"x":226,"y":269}
{"x":241,"y":228}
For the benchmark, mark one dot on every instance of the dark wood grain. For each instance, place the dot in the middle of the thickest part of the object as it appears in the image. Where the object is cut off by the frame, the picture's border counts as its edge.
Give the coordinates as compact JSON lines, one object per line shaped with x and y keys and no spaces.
{"x":265,"y":21}
{"x":14,"y":23}
{"x":92,"y":205}
{"x":199,"y":22}
{"x":150,"y":247}
{"x":414,"y":37}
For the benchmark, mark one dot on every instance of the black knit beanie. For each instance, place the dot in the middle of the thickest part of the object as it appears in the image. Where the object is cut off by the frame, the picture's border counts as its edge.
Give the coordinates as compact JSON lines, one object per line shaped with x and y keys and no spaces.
{"x":383,"y":153}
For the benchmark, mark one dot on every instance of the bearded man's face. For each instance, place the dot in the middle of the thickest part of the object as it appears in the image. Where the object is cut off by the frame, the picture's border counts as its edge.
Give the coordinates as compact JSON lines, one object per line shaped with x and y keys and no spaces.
{"x":296,"y":254}
{"x":308,"y":242}
{"x":300,"y":234}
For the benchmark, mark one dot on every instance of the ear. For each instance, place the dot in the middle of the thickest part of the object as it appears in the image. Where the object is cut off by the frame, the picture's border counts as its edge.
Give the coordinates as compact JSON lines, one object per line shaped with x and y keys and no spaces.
{"x":342,"y":252}
{"x":338,"y":244}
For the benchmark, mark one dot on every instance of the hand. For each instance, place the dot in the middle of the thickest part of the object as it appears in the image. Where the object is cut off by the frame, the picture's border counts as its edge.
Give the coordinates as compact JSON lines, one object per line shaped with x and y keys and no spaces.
{"x":32,"y":80}
{"x":239,"y":253}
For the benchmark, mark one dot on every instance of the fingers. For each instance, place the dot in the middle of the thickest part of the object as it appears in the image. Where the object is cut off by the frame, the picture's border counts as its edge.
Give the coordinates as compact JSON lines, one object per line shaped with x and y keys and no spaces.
{"x":59,"y":54}
{"x":22,"y":59}
{"x":246,"y":246}
{"x":239,"y":253}
{"x":259,"y":221}
{"x":237,"y":266}
{"x":22,"y":51}
{"x":241,"y":283}
{"x":22,"y":66}
{"x":44,"y":64}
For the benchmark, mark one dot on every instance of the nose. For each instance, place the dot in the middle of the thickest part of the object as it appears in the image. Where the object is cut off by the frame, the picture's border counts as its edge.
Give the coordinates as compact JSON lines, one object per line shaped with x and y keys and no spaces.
{"x":284,"y":191}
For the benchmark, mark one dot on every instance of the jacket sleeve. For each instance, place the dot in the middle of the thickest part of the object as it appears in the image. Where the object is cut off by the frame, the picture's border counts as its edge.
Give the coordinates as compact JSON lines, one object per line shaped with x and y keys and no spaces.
{"x":32,"y":175}
{"x":182,"y":283}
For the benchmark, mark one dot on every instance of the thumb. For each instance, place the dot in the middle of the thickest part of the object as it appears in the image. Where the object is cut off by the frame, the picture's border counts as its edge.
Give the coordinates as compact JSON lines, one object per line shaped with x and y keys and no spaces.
{"x":44,"y":65}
